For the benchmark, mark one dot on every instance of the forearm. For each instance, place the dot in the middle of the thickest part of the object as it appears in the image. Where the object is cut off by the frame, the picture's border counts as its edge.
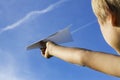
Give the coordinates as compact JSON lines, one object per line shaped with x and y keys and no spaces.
{"x":68,"y":54}
{"x":106,"y":63}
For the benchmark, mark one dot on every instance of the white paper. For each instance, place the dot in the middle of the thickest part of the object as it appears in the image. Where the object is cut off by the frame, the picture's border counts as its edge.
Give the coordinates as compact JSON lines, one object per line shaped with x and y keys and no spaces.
{"x":62,"y":36}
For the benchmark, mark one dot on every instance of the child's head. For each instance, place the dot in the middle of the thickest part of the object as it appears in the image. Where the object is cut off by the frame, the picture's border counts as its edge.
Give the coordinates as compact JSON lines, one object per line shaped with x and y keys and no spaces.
{"x":102,"y":8}
{"x":108,"y":15}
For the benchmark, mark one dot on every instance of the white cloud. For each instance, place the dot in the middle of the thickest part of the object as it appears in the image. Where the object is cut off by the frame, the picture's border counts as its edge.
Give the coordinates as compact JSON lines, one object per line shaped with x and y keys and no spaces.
{"x":33,"y":13}
{"x":84,"y":26}
{"x":9,"y":70}
{"x":7,"y":66}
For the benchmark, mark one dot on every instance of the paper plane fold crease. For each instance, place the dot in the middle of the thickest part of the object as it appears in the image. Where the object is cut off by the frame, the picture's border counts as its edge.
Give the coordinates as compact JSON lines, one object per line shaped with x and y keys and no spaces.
{"x":62,"y":36}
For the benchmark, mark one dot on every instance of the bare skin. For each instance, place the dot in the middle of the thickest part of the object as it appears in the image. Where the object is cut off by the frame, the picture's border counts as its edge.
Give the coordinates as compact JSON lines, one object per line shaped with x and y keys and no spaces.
{"x":103,"y":62}
{"x":100,"y":61}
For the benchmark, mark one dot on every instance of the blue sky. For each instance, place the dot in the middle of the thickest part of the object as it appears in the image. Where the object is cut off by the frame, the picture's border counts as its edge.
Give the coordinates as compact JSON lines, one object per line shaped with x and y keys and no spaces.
{"x":23,"y":22}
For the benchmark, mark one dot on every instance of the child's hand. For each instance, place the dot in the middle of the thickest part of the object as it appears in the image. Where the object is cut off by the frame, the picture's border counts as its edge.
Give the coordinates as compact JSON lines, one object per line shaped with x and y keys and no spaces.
{"x":45,"y":49}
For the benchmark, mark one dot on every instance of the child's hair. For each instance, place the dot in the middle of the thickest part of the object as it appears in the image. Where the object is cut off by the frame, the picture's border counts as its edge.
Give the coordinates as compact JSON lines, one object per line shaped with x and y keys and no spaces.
{"x":102,"y":8}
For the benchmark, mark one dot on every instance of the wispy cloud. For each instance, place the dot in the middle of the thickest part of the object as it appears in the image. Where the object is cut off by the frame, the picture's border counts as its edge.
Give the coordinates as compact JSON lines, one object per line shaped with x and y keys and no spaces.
{"x":9,"y":68}
{"x":84,"y":26}
{"x":33,"y":13}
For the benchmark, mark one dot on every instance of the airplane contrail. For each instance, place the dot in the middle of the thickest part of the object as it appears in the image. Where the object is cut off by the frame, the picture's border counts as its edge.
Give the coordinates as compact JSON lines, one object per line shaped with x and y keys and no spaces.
{"x":33,"y":13}
{"x":84,"y":26}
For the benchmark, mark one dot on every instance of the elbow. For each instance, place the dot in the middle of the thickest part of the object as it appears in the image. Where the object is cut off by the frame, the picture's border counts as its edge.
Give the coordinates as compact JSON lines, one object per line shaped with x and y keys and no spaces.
{"x":116,"y":75}
{"x":79,"y":57}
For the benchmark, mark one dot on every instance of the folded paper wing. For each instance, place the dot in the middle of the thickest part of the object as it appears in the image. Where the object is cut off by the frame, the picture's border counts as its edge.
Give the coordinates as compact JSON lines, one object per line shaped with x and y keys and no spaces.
{"x":62,"y":36}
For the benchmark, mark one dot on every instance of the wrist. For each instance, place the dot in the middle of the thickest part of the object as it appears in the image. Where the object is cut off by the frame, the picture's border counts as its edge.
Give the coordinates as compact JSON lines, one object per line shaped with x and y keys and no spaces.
{"x":50,"y":47}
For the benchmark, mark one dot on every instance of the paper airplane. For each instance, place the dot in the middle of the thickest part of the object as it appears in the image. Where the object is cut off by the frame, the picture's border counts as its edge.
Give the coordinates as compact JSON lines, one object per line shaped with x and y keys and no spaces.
{"x":62,"y":36}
